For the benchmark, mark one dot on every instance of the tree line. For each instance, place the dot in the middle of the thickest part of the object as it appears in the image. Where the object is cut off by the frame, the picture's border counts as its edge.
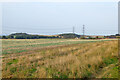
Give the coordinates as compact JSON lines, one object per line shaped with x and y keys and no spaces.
{"x":25,"y":36}
{"x":64,"y":36}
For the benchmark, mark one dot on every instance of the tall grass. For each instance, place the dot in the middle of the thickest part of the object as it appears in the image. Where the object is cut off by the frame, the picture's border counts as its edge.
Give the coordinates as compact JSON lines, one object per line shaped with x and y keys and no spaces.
{"x":68,"y":61}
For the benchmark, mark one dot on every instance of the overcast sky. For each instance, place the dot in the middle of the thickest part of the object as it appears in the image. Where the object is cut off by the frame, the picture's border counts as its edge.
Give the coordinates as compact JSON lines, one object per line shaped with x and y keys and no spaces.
{"x":49,"y":18}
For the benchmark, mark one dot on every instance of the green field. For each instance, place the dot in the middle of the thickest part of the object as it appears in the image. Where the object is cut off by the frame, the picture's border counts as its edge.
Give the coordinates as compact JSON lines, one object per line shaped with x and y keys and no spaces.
{"x":59,"y":58}
{"x":21,"y":45}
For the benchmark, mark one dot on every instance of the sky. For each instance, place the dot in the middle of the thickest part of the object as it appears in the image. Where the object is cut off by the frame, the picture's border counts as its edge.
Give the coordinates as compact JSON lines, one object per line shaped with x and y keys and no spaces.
{"x":59,"y":0}
{"x":51,"y":18}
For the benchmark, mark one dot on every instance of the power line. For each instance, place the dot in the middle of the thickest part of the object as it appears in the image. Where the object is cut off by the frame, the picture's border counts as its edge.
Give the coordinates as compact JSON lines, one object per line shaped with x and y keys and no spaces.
{"x":83,"y":31}
{"x":73,"y":29}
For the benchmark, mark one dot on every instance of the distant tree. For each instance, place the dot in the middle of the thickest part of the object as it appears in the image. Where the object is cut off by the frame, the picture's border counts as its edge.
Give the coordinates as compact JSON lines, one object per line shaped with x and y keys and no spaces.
{"x":4,"y":37}
{"x":82,"y":37}
{"x":69,"y":35}
{"x":28,"y":36}
{"x":0,"y":37}
{"x":97,"y":37}
{"x":10,"y":37}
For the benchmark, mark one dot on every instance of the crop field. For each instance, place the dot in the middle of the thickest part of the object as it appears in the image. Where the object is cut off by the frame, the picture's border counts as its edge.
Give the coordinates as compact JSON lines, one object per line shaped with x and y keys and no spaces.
{"x":59,"y":58}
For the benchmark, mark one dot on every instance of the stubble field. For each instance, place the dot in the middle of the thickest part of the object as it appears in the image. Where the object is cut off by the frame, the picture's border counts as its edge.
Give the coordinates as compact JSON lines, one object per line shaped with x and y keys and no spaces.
{"x":59,"y":58}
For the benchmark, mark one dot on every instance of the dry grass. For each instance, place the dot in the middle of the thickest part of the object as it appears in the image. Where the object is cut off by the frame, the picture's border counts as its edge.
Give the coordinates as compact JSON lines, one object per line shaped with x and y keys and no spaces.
{"x":66,"y":61}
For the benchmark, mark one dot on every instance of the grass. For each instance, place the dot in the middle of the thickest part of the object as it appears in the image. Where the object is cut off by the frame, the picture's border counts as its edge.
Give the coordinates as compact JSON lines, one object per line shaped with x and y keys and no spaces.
{"x":14,"y":61}
{"x":110,"y":71}
{"x":62,"y":58}
{"x":23,"y":45}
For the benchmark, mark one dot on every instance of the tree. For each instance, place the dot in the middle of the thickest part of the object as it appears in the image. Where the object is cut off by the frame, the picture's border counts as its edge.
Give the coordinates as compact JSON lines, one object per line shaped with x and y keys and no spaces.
{"x":4,"y":37}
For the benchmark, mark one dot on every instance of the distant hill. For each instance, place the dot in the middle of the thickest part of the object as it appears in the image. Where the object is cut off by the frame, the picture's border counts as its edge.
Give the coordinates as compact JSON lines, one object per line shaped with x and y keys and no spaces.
{"x":18,"y":34}
{"x":30,"y":36}
{"x":60,"y":36}
{"x":69,"y":35}
{"x":26,"y":36}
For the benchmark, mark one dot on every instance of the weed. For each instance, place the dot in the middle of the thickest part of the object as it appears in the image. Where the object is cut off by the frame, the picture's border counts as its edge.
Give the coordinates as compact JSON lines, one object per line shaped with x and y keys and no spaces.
{"x":89,"y":66}
{"x":32,"y":70}
{"x":109,"y":61}
{"x":12,"y":70}
{"x":14,"y":61}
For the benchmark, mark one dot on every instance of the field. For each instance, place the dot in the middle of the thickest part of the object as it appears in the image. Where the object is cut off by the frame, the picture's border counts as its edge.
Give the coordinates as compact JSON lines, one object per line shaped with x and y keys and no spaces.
{"x":59,"y":58}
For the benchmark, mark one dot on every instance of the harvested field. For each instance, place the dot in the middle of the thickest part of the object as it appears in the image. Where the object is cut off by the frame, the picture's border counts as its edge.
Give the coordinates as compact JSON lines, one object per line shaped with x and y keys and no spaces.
{"x":59,"y":58}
